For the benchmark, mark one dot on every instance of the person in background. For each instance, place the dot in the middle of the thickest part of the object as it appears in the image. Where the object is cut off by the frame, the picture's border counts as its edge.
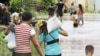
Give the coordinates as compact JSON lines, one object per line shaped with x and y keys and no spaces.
{"x":60,"y":6}
{"x":75,"y":20}
{"x":51,"y":10}
{"x":72,"y":9}
{"x":89,"y":50}
{"x":80,"y":13}
{"x":24,"y":33}
{"x":16,"y":18}
{"x":6,"y":16}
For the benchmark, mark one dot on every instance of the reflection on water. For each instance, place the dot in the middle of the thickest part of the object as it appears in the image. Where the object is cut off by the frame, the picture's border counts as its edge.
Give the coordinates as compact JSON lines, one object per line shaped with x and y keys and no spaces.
{"x":74,"y":44}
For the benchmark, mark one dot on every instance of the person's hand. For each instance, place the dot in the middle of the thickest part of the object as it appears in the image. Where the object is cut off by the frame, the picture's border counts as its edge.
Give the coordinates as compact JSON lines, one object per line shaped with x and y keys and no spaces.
{"x":63,"y":32}
{"x":7,"y":29}
{"x":36,"y":44}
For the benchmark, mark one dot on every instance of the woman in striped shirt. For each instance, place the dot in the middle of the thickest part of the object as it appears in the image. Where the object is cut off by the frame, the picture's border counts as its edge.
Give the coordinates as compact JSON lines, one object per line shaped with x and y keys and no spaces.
{"x":24,"y":33}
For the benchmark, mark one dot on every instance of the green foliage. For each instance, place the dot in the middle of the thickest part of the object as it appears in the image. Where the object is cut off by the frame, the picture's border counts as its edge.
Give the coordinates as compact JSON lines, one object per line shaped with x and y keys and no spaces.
{"x":15,"y":5}
{"x":47,"y":3}
{"x":29,"y":5}
{"x":2,"y":42}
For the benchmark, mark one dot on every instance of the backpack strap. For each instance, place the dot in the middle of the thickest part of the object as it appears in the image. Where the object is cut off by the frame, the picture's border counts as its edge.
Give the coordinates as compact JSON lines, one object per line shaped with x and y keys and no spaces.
{"x":52,"y":41}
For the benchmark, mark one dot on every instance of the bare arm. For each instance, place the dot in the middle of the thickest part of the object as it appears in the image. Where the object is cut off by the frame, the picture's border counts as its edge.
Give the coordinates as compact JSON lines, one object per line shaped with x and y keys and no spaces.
{"x":63,"y":32}
{"x":7,"y":30}
{"x":37,"y":45}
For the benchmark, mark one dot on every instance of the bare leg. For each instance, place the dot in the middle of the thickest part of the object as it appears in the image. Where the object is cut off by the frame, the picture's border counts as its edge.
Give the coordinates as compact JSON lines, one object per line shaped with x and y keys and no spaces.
{"x":82,"y":21}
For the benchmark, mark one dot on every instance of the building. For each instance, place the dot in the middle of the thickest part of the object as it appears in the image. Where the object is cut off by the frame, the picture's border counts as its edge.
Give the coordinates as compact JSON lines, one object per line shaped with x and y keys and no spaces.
{"x":89,"y":5}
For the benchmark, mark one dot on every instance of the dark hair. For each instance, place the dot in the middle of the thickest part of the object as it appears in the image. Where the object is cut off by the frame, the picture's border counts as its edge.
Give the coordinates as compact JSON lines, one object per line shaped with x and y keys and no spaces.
{"x":43,"y":28}
{"x":81,"y":7}
{"x":51,"y":11}
{"x":20,"y":14}
{"x":89,"y":48}
{"x":61,"y":0}
{"x":26,"y":16}
{"x":72,"y":3}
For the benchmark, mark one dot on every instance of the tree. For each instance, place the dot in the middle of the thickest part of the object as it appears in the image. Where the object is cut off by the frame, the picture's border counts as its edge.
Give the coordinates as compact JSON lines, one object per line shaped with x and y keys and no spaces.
{"x":47,"y":3}
{"x":15,"y":5}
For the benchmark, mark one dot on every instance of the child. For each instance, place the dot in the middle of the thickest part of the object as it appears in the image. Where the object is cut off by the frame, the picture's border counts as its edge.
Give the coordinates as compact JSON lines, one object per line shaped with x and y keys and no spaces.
{"x":80,"y":14}
{"x":89,"y":50}
{"x":51,"y":10}
{"x":75,"y":20}
{"x":72,"y":9}
{"x":60,"y":6}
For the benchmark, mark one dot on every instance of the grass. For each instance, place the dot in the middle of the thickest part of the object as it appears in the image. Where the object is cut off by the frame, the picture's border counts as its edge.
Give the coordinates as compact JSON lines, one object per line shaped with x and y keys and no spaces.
{"x":4,"y":50}
{"x":3,"y":47}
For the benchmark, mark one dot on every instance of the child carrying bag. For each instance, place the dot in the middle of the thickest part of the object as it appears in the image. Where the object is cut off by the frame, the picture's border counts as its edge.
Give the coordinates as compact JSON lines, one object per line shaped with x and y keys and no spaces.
{"x":11,"y":39}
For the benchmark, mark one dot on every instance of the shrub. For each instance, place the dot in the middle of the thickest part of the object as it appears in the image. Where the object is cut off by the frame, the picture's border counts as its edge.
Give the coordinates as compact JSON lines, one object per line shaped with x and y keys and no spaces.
{"x":15,"y":5}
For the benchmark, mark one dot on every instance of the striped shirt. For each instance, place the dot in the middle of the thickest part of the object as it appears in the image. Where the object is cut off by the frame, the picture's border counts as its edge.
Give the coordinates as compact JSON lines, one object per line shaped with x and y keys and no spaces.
{"x":23,"y":35}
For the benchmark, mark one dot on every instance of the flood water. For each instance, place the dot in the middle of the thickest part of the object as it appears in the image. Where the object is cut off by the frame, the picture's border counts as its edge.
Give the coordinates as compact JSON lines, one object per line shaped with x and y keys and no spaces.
{"x":75,"y":43}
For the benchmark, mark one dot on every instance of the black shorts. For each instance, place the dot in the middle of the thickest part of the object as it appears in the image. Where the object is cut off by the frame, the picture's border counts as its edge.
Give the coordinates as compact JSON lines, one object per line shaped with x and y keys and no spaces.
{"x":71,"y":13}
{"x":54,"y":55}
{"x":60,"y":14}
{"x":21,"y":54}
